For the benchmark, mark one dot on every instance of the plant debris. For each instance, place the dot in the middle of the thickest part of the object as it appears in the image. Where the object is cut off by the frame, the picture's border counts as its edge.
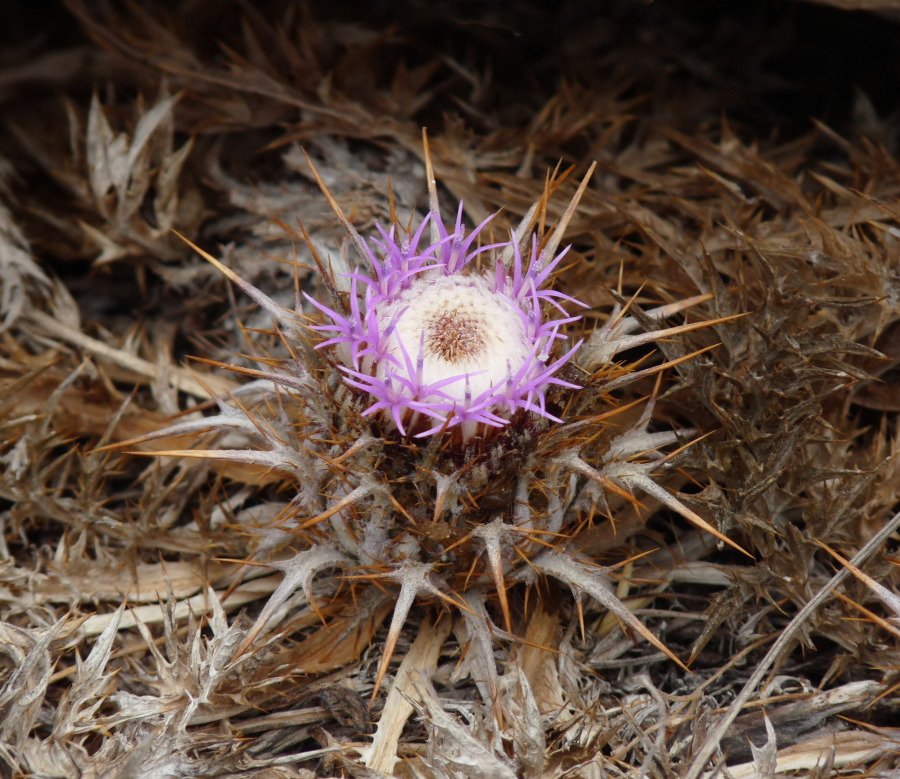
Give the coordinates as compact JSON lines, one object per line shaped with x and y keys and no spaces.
{"x":214,"y":563}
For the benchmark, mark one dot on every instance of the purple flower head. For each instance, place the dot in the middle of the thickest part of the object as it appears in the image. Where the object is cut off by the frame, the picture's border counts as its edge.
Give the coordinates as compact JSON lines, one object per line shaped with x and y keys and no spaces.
{"x":437,"y":344}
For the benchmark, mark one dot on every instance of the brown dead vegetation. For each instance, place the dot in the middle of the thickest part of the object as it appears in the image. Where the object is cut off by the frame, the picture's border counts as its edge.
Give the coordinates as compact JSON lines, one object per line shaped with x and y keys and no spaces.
{"x":740,"y":160}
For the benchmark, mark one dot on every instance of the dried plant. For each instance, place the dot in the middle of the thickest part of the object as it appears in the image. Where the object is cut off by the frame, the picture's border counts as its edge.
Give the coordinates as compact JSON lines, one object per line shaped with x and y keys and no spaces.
{"x":354,"y":553}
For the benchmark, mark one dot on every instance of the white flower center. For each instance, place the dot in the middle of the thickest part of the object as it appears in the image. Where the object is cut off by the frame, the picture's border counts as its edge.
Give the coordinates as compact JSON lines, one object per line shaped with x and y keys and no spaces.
{"x":462,"y":328}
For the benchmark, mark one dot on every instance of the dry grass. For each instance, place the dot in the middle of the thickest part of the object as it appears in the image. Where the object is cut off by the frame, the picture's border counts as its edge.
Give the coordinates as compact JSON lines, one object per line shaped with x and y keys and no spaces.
{"x":729,"y":172}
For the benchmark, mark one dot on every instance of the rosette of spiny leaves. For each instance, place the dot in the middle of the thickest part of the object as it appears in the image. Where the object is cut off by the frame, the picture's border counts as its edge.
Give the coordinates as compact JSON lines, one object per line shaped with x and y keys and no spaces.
{"x":434,"y":455}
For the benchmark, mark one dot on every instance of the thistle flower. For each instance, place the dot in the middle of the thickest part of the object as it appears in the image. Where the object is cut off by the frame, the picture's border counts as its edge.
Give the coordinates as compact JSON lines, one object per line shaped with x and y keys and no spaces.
{"x":445,"y":338}
{"x":437,"y":344}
